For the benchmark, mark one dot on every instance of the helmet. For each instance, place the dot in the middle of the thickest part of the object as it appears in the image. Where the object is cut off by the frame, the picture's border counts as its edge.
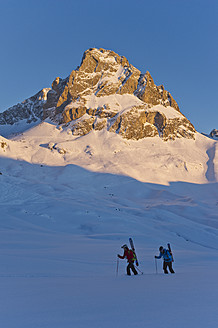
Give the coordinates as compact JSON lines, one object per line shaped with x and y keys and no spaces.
{"x":124,"y":246}
{"x":160,"y":248}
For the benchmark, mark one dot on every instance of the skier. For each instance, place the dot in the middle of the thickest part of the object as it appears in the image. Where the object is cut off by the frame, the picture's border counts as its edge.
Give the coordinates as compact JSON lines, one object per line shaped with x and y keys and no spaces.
{"x":167,"y":257}
{"x":129,"y":255}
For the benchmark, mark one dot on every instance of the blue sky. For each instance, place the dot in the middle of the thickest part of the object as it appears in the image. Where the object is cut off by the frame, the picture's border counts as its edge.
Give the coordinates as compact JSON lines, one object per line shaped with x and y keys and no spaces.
{"x":176,"y":41}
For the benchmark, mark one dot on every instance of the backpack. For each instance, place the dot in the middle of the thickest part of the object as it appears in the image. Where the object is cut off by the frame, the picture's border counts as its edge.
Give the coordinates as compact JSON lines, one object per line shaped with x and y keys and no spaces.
{"x":134,"y":256}
{"x":167,"y":253}
{"x":131,"y":255}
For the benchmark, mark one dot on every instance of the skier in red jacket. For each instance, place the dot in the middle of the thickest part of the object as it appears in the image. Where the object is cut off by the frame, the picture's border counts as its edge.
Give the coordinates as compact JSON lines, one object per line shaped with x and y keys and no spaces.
{"x":129,"y":255}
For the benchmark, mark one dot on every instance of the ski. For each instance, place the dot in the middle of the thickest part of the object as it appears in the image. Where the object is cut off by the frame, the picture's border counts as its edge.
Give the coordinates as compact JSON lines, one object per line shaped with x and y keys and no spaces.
{"x":169,"y":248}
{"x":133,"y":249}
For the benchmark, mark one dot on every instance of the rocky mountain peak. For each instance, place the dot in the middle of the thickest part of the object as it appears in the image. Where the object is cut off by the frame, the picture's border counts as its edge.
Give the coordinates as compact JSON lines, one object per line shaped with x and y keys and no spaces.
{"x":107,"y":92}
{"x":103,"y":72}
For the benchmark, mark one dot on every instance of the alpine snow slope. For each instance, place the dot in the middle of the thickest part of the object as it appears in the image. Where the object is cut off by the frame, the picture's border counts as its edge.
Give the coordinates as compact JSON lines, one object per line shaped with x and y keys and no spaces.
{"x":69,"y":203}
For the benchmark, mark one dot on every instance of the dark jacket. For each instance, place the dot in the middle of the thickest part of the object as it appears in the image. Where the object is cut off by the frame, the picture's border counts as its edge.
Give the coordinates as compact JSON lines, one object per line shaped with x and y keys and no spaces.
{"x":128,"y":254}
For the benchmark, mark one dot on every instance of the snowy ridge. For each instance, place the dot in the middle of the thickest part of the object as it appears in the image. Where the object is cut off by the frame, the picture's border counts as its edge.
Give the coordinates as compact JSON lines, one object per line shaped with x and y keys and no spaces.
{"x":24,"y":115}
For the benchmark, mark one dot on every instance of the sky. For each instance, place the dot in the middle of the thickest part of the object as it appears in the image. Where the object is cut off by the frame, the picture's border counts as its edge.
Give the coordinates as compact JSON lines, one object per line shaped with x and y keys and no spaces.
{"x":176,"y":41}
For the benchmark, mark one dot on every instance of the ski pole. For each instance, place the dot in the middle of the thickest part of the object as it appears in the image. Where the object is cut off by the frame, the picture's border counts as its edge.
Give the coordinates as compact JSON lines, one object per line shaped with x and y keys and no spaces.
{"x":156,"y":265}
{"x":117,"y":266}
{"x":138,"y":270}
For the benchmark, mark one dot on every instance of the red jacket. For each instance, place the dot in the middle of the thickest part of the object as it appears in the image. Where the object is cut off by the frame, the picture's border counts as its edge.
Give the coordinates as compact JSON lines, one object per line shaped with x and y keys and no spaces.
{"x":128,"y":254}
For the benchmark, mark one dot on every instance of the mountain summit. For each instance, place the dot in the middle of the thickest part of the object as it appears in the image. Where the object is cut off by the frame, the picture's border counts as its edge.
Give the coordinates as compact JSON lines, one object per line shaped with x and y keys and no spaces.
{"x":105,"y":92}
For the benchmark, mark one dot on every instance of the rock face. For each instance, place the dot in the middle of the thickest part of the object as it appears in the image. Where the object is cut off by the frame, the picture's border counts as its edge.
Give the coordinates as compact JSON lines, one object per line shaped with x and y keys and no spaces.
{"x":214,"y":134}
{"x":106,"y":92}
{"x":30,"y":109}
{"x":3,"y":144}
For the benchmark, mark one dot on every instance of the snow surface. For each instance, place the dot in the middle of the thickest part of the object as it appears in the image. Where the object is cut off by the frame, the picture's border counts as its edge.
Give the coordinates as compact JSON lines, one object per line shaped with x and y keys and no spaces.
{"x":9,"y":129}
{"x":65,"y":215}
{"x":123,"y":103}
{"x":148,"y":160}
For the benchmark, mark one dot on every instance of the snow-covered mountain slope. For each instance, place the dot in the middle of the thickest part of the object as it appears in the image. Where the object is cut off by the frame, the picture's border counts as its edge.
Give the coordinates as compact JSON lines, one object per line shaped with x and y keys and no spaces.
{"x":147,"y":160}
{"x":68,"y":203}
{"x":62,"y":227}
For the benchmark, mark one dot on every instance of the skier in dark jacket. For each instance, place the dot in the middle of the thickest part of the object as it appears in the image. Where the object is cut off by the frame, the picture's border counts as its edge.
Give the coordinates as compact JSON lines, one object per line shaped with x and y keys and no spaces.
{"x":167,"y":259}
{"x":129,"y":255}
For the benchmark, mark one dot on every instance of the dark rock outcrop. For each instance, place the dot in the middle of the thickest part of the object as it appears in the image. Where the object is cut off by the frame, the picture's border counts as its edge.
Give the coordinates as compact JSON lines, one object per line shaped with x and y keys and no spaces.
{"x":214,"y":134}
{"x":30,"y":109}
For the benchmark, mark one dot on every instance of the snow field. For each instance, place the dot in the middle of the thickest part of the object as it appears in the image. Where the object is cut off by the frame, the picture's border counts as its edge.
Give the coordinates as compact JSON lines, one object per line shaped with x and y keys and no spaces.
{"x":65,"y":215}
{"x":62,"y":228}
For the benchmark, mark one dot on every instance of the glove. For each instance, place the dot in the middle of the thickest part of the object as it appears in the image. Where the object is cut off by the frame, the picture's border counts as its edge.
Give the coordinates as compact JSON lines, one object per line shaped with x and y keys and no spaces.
{"x":155,"y":257}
